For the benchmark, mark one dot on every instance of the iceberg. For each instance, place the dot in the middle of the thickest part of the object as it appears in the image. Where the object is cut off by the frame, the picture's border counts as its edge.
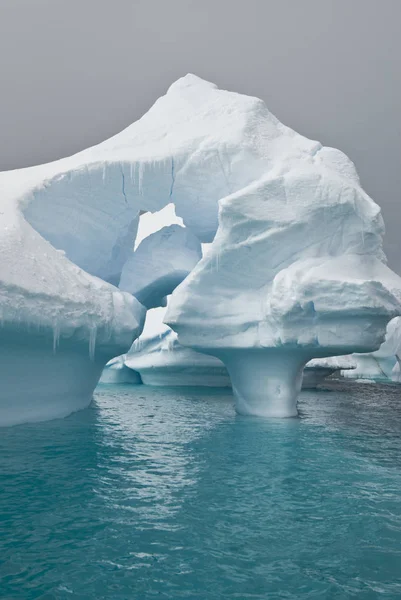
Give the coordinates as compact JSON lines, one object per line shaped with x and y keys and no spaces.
{"x":396,"y":372}
{"x":116,"y":372}
{"x":295,"y":271}
{"x":318,"y":369}
{"x":383,"y":364}
{"x":161,"y":361}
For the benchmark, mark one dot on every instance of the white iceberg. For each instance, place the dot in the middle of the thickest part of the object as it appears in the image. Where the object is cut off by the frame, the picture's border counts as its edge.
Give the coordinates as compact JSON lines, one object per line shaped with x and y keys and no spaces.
{"x":296,"y":270}
{"x":116,"y":372}
{"x":384,"y":364}
{"x":318,"y":369}
{"x":162,"y":361}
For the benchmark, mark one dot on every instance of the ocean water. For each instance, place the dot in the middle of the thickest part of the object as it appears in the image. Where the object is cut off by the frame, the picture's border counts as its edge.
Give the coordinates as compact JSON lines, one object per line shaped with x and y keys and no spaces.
{"x":167,"y":494}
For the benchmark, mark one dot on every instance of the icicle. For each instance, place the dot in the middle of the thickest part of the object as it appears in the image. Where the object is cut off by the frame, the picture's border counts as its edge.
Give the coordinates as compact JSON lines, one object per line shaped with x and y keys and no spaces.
{"x":140,"y":177}
{"x":56,"y":336}
{"x":92,"y":342}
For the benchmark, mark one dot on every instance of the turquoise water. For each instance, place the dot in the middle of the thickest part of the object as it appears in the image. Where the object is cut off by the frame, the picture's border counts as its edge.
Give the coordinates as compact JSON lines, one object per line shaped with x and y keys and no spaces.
{"x":154,"y":493}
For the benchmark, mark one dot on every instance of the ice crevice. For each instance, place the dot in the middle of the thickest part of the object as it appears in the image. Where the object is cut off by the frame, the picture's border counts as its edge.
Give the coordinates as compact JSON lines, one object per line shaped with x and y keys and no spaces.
{"x":172,"y":178}
{"x":123,"y":185}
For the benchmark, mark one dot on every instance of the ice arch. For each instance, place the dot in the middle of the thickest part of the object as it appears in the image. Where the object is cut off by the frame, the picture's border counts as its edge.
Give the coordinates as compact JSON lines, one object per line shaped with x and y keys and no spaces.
{"x":68,"y":227}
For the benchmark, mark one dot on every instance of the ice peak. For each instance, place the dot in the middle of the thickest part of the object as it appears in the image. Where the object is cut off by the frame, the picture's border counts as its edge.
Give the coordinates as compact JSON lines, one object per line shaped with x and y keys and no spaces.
{"x":188,"y":81}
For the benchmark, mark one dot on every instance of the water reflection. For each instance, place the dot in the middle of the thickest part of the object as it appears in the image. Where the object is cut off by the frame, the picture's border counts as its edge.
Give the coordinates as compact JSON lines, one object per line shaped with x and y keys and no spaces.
{"x":149,"y":454}
{"x":167,"y":493}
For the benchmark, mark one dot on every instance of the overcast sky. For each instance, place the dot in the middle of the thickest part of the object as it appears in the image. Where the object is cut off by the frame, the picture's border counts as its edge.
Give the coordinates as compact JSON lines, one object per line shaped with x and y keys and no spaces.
{"x":74,"y":72}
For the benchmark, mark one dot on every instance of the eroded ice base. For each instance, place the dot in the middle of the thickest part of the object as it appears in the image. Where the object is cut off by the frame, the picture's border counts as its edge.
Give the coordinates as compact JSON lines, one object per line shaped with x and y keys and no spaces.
{"x":116,"y":372}
{"x":313,"y":377}
{"x":186,"y":376}
{"x":265,"y":382}
{"x":40,"y":384}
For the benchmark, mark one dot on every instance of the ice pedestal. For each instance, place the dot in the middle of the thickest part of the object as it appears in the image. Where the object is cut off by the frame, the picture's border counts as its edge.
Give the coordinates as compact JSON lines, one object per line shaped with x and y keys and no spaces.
{"x":266,"y":383}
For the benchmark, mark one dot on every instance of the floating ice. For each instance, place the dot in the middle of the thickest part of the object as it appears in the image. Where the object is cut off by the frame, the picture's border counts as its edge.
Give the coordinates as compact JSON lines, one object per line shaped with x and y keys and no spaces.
{"x":384,"y":364}
{"x":318,"y":369}
{"x":116,"y":371}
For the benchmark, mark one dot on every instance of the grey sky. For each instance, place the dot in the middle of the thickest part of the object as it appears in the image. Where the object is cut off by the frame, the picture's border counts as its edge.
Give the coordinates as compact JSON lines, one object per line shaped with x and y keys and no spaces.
{"x":74,"y":72}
